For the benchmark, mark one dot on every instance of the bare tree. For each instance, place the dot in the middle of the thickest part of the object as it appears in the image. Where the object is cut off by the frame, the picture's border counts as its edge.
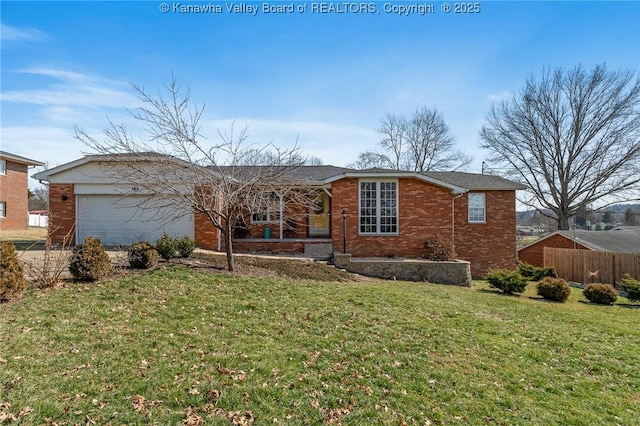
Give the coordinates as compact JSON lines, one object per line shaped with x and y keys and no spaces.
{"x":175,"y":172}
{"x":39,"y":198}
{"x":313,"y":161}
{"x":262,"y":156}
{"x":630,"y":216}
{"x":573,"y":137}
{"x":420,"y":143}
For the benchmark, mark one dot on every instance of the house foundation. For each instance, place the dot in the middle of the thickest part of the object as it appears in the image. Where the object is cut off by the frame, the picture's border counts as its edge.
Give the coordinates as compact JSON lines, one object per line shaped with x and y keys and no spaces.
{"x":457,"y":272}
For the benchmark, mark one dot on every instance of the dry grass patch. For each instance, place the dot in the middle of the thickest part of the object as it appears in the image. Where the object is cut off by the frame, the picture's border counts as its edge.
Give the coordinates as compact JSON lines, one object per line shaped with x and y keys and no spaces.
{"x":31,"y":234}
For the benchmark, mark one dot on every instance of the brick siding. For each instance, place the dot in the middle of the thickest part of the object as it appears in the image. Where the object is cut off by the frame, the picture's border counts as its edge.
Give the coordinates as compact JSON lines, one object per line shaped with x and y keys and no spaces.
{"x":62,"y":213}
{"x":273,"y":246}
{"x":14,"y":194}
{"x":491,"y":244}
{"x":206,"y":235}
{"x":424,"y":213}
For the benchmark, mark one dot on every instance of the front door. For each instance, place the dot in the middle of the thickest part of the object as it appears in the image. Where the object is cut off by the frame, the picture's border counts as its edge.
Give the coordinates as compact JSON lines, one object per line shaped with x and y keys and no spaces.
{"x":319,"y":214}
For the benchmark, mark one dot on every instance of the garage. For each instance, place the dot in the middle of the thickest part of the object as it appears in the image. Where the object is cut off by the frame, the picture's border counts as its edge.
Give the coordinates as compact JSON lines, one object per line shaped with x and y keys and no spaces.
{"x":119,"y":220}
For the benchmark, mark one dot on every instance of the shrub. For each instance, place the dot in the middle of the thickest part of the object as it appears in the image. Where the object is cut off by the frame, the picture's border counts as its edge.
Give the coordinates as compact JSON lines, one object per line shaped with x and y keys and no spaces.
{"x":439,"y":250}
{"x":12,"y":280}
{"x":166,"y":247}
{"x":554,"y":289}
{"x":185,"y":246}
{"x":142,"y":255}
{"x":535,"y":273}
{"x":508,"y":282}
{"x":169,"y":247}
{"x":602,"y":294}
{"x":89,"y":261}
{"x":631,"y":286}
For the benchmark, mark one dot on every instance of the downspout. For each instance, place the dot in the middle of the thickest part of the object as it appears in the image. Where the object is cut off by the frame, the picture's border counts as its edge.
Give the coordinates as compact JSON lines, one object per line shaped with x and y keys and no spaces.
{"x":453,"y":220}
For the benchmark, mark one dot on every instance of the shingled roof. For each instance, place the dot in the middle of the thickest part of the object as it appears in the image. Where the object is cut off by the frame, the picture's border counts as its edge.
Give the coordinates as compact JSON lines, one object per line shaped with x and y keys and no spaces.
{"x":458,"y":182}
{"x":310,"y":175}
{"x":622,"y":240}
{"x":19,"y":159}
{"x":469,"y":181}
{"x":475,"y":181}
{"x":325,"y":174}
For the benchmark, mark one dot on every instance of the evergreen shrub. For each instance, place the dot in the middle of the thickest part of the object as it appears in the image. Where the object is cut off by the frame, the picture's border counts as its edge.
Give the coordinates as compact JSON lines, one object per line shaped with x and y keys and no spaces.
{"x":602,"y":294}
{"x":142,"y":255}
{"x":12,"y":280}
{"x":554,"y":289}
{"x":508,"y":282}
{"x":89,"y":261}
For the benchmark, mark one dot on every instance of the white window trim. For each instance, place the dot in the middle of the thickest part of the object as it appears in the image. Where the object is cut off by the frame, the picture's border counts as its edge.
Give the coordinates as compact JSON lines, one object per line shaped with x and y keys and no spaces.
{"x":484,"y":208}
{"x":271,"y":212}
{"x":3,"y":210}
{"x":378,"y":224}
{"x":3,"y":167}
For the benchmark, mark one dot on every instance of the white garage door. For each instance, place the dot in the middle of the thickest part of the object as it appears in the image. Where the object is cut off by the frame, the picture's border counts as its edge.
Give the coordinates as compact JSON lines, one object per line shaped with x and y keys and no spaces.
{"x":122,"y":221}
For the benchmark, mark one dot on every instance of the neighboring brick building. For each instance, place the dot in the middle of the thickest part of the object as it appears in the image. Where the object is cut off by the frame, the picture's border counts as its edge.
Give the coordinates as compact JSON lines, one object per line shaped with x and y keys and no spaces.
{"x":14,"y":196}
{"x":620,"y":240}
{"x":384,"y":213}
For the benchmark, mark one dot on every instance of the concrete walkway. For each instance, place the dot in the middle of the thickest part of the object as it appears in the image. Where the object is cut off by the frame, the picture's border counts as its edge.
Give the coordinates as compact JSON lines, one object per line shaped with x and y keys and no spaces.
{"x":34,"y":260}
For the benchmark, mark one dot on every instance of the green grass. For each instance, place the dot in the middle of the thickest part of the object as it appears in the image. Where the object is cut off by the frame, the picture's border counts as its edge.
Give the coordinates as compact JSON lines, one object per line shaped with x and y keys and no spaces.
{"x":179,"y":345}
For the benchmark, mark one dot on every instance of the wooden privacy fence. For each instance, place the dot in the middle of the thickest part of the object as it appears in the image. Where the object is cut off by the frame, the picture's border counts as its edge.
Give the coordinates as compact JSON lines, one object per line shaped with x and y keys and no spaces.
{"x":586,"y":266}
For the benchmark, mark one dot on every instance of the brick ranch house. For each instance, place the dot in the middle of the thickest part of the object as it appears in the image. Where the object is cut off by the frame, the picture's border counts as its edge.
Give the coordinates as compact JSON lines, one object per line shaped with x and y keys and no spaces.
{"x":14,"y":195}
{"x":373,"y":213}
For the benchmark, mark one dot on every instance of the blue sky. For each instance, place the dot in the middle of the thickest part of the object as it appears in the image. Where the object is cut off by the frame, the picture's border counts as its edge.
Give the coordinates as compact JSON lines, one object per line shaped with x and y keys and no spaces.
{"x":324,"y":79}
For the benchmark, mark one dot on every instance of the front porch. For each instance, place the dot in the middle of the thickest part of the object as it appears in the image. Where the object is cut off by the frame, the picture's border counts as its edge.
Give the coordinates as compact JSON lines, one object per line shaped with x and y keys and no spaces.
{"x":319,"y":248}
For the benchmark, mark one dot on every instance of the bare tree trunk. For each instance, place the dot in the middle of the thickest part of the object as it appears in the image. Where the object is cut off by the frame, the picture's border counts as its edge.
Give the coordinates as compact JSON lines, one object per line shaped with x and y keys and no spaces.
{"x":228,"y":234}
{"x":563,"y":222}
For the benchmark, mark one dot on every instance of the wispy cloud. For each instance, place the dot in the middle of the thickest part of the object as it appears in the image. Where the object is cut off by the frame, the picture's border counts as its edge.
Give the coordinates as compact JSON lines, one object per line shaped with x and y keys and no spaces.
{"x":499,"y":97}
{"x":72,"y":90}
{"x":333,"y":142}
{"x":13,"y":34}
{"x":53,"y":145}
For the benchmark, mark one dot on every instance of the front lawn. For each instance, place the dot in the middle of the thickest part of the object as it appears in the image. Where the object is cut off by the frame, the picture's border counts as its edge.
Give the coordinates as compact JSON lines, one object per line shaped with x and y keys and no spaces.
{"x":181,"y":346}
{"x":33,"y":233}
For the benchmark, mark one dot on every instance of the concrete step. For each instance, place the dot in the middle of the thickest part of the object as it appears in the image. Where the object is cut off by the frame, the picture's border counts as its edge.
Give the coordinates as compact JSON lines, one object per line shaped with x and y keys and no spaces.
{"x":318,"y":250}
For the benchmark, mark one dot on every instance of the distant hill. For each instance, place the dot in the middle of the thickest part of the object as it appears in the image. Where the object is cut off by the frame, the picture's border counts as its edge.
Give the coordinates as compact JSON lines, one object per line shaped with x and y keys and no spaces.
{"x":621,"y":208}
{"x":527,"y":217}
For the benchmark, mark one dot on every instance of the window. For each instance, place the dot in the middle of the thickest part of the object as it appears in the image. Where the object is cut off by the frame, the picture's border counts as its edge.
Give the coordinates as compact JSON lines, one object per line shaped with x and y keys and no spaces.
{"x":3,"y":167}
{"x":3,"y":209}
{"x":268,"y":209}
{"x":378,"y":207}
{"x":477,"y":210}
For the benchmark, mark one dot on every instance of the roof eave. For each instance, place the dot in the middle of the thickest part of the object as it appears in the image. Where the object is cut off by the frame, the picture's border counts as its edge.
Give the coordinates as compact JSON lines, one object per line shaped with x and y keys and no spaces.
{"x":564,"y":234}
{"x":455,"y":189}
{"x":19,"y":159}
{"x":45,"y":175}
{"x":498,"y":188}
